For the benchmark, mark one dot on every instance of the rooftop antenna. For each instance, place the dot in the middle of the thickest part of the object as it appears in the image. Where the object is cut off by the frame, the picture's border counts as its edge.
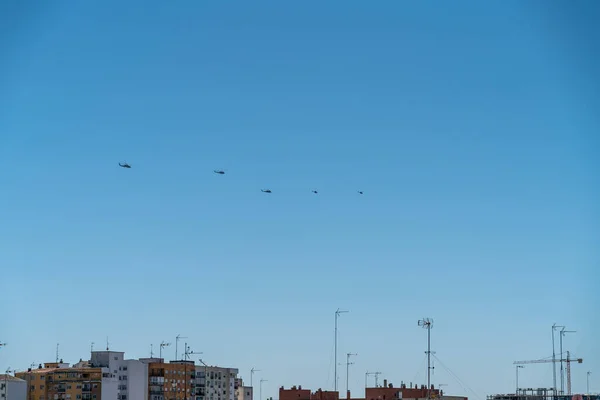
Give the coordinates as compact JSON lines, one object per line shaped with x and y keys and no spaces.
{"x":107,"y":344}
{"x":376,"y":377}
{"x":57,"y":344}
{"x":252,"y":371}
{"x":163,"y":344}
{"x":151,"y":350}
{"x":177,"y":344}
{"x":335,"y":376}
{"x":261,"y":382}
{"x":348,"y":364}
{"x":427,"y":323}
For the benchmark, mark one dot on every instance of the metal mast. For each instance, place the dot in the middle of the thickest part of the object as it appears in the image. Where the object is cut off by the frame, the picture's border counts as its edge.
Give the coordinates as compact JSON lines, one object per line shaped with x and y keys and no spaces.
{"x":163,"y":344}
{"x":426,"y":323}
{"x":335,"y":376}
{"x":348,"y":364}
{"x":252,"y":371}
{"x":260,"y":390}
{"x":588,"y":383}
{"x":177,"y":344}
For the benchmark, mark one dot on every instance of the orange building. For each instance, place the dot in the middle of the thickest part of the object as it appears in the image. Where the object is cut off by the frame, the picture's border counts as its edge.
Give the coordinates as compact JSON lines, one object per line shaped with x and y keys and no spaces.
{"x":56,"y":381}
{"x":171,"y":381}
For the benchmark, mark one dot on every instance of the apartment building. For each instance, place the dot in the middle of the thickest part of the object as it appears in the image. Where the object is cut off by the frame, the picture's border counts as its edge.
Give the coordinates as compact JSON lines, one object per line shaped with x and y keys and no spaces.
{"x":175,"y":380}
{"x":131,"y":375}
{"x":242,"y":392}
{"x":58,"y":381}
{"x":215,"y":383}
{"x":12,"y":388}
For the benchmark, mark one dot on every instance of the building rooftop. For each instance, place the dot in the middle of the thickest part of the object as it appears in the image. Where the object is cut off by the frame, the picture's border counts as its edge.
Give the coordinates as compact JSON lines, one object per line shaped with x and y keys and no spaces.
{"x":10,"y":378}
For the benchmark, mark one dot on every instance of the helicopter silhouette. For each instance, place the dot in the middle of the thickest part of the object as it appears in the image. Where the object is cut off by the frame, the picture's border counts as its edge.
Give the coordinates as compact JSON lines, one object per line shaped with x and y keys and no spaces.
{"x":266,"y":190}
{"x":220,"y":172}
{"x":360,"y":192}
{"x":125,"y":165}
{"x":314,"y":191}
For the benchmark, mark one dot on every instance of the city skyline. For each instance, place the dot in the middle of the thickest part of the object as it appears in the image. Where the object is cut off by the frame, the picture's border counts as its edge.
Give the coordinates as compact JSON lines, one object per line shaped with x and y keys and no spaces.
{"x":470,"y":127}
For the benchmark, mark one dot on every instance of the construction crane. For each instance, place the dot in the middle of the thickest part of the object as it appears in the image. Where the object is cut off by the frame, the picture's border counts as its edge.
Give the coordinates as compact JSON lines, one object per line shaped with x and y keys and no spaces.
{"x":567,"y":360}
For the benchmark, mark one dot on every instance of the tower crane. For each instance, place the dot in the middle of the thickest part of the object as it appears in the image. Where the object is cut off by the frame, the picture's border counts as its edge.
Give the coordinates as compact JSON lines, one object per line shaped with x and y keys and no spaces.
{"x":567,"y":360}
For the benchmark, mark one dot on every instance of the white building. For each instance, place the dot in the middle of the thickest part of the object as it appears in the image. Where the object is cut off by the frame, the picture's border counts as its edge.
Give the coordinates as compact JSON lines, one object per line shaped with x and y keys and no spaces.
{"x":131,"y":376}
{"x":242,"y":392}
{"x":215,"y":383}
{"x":12,"y":388}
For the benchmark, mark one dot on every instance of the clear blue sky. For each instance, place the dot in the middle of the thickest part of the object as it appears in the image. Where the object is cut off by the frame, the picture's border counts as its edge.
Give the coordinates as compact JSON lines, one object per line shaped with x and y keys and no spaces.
{"x":471,"y":126}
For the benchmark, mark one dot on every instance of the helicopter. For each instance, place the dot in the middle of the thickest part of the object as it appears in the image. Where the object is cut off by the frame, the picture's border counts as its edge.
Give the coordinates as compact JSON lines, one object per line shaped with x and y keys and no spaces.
{"x":266,"y":190}
{"x":314,"y":191}
{"x":218,"y":171}
{"x":360,"y":192}
{"x":125,"y":165}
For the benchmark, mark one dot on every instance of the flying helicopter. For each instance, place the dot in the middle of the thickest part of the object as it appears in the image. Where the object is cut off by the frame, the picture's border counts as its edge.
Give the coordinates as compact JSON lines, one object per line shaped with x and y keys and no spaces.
{"x":218,"y":171}
{"x":314,"y":191}
{"x":360,"y":192}
{"x":266,"y":190}
{"x":125,"y":165}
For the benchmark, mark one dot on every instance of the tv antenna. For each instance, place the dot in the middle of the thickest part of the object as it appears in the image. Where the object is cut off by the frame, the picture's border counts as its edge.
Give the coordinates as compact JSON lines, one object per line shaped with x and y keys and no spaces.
{"x":57,"y":344}
{"x":348,"y":364}
{"x":427,"y":323}
{"x":335,"y":376}
{"x":163,"y":344}
{"x":177,"y":338}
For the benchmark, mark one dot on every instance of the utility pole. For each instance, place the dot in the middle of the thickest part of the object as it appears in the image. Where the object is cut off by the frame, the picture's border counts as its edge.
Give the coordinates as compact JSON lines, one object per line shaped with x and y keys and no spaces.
{"x":554,"y":327}
{"x":562,"y":372}
{"x":348,"y":364}
{"x":335,"y":376}
{"x":252,"y":371}
{"x":427,"y":323}
{"x":260,"y":392}
{"x":517,"y":391}
{"x":163,"y":344}
{"x":588,"y":383}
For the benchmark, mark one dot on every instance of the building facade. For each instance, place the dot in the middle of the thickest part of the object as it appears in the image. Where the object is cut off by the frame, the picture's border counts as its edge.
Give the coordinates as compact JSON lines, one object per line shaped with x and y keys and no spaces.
{"x":216,"y":383}
{"x":175,"y":380}
{"x":242,"y":392}
{"x":130,"y":376}
{"x":12,"y":388}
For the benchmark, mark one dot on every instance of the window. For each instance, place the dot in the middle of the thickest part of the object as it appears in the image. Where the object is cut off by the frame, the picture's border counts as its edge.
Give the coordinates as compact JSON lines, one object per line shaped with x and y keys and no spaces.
{"x":116,"y":358}
{"x":124,"y":368}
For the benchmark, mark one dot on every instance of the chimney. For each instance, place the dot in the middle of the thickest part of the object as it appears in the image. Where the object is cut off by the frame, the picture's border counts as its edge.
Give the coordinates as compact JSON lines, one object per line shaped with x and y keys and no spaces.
{"x":348,"y":395}
{"x":391,"y":386}
{"x":385,"y":383}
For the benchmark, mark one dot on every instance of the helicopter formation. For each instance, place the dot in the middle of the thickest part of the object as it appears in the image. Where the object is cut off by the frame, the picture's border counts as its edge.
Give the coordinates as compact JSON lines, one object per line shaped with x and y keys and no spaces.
{"x":221,"y":172}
